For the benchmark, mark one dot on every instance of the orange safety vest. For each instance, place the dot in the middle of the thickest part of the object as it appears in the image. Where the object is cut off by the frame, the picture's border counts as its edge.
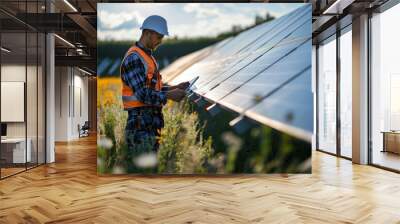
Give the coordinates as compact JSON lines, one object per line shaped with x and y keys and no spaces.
{"x":151,"y":68}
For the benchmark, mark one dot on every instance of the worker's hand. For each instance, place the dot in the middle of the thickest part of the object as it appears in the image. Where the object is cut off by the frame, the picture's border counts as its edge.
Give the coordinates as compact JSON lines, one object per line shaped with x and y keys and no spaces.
{"x":183,"y":85}
{"x":176,"y":94}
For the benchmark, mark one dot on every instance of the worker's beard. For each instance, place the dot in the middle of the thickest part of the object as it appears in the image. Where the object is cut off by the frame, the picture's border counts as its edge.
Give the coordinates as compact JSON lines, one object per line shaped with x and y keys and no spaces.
{"x":155,"y":47}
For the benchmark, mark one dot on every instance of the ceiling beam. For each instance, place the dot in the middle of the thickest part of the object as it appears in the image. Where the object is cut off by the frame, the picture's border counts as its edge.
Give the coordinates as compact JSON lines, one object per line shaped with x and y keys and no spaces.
{"x":338,"y":6}
{"x":86,"y":26}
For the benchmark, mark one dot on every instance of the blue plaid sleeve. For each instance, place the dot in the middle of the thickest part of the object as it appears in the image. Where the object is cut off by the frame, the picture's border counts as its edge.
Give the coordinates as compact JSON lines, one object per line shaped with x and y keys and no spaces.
{"x":165,"y":87}
{"x":133,"y":75}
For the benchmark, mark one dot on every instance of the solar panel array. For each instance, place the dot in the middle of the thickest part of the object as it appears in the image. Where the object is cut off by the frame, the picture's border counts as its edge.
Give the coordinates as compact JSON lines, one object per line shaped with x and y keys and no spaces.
{"x":263,"y":73}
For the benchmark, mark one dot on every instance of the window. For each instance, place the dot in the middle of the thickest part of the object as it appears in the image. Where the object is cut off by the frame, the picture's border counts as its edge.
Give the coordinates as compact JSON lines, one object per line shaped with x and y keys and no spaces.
{"x":327,"y":95}
{"x":22,"y":75}
{"x":385,"y":89}
{"x":346,"y":92}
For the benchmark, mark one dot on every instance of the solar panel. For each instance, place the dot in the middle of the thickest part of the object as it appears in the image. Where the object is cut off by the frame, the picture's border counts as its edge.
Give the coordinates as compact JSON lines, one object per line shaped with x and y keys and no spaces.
{"x":223,"y":58}
{"x":225,"y":55}
{"x":286,"y":28}
{"x":114,"y":69}
{"x":266,"y":81}
{"x":250,"y":56}
{"x":275,"y":54}
{"x":289,"y":109}
{"x":244,"y":75}
{"x":103,"y":65}
{"x":242,"y":40}
{"x":263,"y":73}
{"x":184,"y":63}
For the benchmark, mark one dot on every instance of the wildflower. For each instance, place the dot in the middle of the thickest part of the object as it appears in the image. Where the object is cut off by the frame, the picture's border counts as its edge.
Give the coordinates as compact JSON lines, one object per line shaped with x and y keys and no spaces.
{"x":232,"y":141}
{"x":105,"y":142}
{"x":146,"y":160}
{"x":118,"y":170}
{"x":100,"y":162}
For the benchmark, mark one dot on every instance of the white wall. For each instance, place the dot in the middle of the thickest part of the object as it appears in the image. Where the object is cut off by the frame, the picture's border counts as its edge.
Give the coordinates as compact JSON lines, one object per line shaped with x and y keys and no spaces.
{"x":12,"y":73}
{"x":80,"y":100}
{"x":61,"y":103}
{"x":71,"y":93}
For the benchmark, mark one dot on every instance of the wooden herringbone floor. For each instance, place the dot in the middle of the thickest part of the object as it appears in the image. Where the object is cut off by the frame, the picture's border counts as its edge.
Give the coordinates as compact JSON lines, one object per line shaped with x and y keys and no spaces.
{"x":70,"y":191}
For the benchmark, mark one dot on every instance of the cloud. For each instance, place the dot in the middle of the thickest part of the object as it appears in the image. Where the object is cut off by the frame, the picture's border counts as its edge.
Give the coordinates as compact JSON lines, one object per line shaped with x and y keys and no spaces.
{"x":121,"y":34}
{"x":262,"y":11}
{"x":202,"y":10}
{"x":211,"y":20}
{"x":114,"y":21}
{"x":211,"y":27}
{"x":184,"y":20}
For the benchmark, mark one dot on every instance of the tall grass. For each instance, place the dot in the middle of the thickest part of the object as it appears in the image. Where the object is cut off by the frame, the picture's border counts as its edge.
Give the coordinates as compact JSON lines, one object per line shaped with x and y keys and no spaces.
{"x":192,"y":142}
{"x":182,"y":147}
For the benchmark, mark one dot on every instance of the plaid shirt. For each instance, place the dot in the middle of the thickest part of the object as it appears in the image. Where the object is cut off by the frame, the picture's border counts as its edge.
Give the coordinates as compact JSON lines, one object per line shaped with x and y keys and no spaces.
{"x":133,"y":75}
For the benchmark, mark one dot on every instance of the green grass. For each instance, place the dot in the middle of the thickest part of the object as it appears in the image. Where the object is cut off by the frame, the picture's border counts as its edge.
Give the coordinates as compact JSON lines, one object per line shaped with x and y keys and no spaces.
{"x":192,"y":142}
{"x":182,"y":147}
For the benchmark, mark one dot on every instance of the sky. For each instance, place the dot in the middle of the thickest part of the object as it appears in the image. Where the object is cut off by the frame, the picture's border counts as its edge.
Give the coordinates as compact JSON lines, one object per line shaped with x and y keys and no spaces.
{"x":121,"y":21}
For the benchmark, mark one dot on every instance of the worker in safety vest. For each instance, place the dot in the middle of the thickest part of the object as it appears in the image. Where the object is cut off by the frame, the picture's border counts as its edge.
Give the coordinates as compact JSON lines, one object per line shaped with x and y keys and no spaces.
{"x":143,"y":93}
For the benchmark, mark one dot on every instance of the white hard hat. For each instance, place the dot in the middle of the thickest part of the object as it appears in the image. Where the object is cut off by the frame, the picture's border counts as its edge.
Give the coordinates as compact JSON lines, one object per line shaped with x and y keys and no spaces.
{"x":155,"y":23}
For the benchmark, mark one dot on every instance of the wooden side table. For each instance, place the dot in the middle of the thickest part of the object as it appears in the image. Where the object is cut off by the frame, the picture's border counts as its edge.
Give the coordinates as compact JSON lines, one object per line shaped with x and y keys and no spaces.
{"x":391,"y":141}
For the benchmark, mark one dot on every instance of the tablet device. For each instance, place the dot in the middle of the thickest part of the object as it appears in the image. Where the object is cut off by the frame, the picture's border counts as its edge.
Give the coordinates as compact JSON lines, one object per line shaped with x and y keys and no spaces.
{"x":191,"y":83}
